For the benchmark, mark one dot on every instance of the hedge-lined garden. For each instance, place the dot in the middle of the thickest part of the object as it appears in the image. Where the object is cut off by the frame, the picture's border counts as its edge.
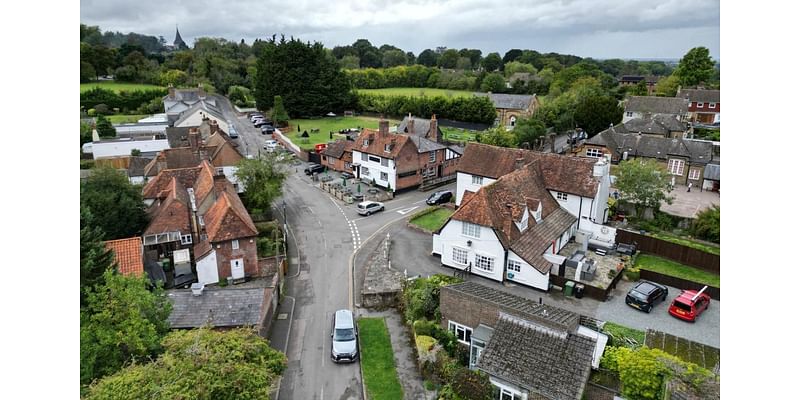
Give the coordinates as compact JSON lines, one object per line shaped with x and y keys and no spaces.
{"x":466,"y":109}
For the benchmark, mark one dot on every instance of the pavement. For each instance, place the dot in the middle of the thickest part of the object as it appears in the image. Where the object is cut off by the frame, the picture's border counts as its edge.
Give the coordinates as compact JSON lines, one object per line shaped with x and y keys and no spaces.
{"x":689,"y":204}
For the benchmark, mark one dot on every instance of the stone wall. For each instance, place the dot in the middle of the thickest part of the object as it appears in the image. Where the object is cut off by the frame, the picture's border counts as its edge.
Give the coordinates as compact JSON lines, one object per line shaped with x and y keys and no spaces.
{"x":383,"y":285}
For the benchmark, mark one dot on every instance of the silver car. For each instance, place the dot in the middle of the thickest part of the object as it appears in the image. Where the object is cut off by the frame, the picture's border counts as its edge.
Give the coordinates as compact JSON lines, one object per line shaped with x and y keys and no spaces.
{"x":369,"y":207}
{"x":344,"y":346}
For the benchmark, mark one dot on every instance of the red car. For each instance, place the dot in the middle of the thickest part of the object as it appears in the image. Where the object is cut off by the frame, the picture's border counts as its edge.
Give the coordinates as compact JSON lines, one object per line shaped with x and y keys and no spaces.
{"x":690,"y":304}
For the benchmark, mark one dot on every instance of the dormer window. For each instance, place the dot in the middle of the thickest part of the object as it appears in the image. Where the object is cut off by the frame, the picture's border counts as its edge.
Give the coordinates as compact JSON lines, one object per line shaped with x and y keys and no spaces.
{"x":387,"y":148}
{"x":699,"y":105}
{"x":524,"y":223}
{"x":366,"y":143}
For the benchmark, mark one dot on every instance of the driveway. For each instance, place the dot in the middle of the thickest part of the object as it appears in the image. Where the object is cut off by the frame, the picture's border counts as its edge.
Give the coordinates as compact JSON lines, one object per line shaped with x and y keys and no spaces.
{"x":689,"y":204}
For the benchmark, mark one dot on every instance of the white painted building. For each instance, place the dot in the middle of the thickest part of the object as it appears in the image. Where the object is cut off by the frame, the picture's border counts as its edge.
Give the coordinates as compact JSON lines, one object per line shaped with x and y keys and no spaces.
{"x":381,"y":169}
{"x":123,"y":147}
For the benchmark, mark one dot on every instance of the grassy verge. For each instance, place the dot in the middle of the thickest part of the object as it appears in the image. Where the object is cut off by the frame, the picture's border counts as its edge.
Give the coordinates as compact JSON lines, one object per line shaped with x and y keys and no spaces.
{"x":620,"y":334}
{"x":429,"y":92}
{"x":118,"y":86}
{"x":377,"y":360}
{"x":325,"y":126}
{"x":434,"y":220}
{"x":671,"y":268}
{"x":126,"y":119}
{"x":685,"y":242}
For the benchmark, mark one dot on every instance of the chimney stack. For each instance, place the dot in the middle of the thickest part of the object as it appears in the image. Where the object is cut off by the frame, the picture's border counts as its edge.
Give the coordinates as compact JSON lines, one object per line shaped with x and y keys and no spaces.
{"x":519,"y":162}
{"x":194,"y":139}
{"x":410,"y":124}
{"x":434,"y":129}
{"x":553,"y":143}
{"x":383,"y":127}
{"x":171,"y":91}
{"x":200,"y":92}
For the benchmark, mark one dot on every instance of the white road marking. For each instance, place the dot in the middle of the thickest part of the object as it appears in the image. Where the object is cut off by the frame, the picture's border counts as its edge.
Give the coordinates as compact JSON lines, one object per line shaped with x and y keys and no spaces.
{"x":405,"y":211}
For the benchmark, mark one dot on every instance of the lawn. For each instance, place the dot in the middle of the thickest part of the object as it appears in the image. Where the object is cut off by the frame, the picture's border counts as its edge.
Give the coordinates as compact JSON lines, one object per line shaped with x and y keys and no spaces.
{"x":458,"y":135}
{"x":325,"y":126}
{"x":118,"y":86}
{"x":432,"y":221}
{"x":126,"y":119}
{"x":686,"y":242}
{"x":377,"y":360}
{"x":621,"y":334}
{"x":430,"y":92}
{"x":671,"y":268}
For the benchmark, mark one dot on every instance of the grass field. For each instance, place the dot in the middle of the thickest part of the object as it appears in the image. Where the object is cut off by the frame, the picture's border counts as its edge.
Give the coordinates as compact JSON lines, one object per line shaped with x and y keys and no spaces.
{"x":671,"y":268}
{"x":686,"y":242}
{"x":458,"y":135}
{"x":430,"y":92}
{"x":326,"y":125}
{"x":434,"y":220}
{"x":377,"y":360}
{"x":118,"y":86}
{"x":126,"y":119}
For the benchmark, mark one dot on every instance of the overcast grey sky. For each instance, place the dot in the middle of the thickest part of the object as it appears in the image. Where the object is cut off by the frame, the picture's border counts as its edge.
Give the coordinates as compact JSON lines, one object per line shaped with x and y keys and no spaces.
{"x":587,"y":28}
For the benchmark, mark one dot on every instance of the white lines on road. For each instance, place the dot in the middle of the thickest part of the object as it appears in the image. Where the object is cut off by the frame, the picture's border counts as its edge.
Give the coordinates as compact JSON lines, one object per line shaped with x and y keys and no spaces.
{"x":404,"y":211}
{"x":356,"y":236}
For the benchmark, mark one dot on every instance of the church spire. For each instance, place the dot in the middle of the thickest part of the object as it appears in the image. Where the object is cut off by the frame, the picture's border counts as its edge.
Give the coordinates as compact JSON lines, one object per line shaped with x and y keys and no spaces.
{"x":179,"y":43}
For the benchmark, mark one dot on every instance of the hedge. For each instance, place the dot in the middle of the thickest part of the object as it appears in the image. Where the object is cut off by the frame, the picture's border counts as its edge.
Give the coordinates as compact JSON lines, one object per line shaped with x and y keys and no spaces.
{"x":466,"y":109}
{"x":124,"y":100}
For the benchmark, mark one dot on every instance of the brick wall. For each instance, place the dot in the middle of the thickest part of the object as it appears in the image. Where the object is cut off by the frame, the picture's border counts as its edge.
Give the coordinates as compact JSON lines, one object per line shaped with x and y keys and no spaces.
{"x":247,"y":251}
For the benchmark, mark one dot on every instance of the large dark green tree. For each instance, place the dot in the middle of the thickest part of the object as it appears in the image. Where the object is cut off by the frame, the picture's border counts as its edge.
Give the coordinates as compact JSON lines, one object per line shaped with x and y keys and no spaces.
{"x":200,"y":364}
{"x":643,"y":183}
{"x":115,"y":204}
{"x":596,"y":113}
{"x":695,"y":67}
{"x":95,"y":258}
{"x":123,"y":321}
{"x":104,"y":127}
{"x":492,"y":62}
{"x":428,"y":58}
{"x":449,"y":59}
{"x":308,"y":79}
{"x":529,"y":130}
{"x":279,"y":114}
{"x":262,"y":178}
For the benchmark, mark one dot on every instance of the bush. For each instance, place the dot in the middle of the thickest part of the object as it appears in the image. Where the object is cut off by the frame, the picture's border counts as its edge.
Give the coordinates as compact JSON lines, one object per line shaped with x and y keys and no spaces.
{"x":267,"y":229}
{"x":421,"y":297}
{"x":468,"y":109}
{"x":124,"y":100}
{"x":633,"y":274}
{"x":706,"y":225}
{"x":87,"y":164}
{"x":102,"y":109}
{"x":265,"y":246}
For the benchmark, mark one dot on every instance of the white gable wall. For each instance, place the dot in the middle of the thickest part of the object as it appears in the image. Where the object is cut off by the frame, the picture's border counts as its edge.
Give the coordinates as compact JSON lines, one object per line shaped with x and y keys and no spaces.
{"x":375,"y":169}
{"x":196,"y":118}
{"x":487,"y":245}
{"x":207,"y":271}
{"x":464,"y":182}
{"x":527,"y":275}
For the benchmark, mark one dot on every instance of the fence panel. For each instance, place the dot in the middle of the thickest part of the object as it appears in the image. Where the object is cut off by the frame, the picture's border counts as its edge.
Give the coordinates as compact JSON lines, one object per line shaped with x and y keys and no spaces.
{"x":673,"y":251}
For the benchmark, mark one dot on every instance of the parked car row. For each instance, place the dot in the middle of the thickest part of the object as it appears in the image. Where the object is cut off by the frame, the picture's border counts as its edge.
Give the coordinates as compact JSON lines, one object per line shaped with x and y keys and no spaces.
{"x":687,"y":306}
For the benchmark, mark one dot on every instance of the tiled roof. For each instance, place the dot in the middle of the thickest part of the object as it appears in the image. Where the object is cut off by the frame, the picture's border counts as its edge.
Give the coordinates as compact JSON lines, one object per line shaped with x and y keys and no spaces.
{"x":338,"y":148}
{"x":227,"y":220}
{"x":185,"y":177}
{"x":698,"y":152}
{"x":377,"y":143}
{"x":172,"y":213}
{"x":699,"y":95}
{"x":555,"y":366}
{"x":554,"y":317}
{"x":501,"y":203}
{"x":656,"y":105}
{"x":218,"y":307}
{"x":509,"y":101}
{"x":424,"y":145}
{"x":562,"y":173}
{"x":127,"y":255}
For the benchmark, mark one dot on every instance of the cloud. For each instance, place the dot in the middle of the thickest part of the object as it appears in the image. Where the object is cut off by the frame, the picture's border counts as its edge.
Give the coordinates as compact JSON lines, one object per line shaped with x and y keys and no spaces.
{"x":595,"y":28}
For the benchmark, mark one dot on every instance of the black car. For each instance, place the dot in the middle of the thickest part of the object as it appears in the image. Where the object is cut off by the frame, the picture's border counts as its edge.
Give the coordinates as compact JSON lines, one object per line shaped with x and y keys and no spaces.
{"x":439,"y":197}
{"x":267,"y":129}
{"x":315,"y":168}
{"x":262,"y":122}
{"x":645,"y":295}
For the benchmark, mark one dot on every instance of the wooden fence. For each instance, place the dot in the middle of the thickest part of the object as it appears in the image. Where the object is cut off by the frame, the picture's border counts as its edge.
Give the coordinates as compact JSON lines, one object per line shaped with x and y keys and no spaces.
{"x":678,"y":283}
{"x":673,"y":251}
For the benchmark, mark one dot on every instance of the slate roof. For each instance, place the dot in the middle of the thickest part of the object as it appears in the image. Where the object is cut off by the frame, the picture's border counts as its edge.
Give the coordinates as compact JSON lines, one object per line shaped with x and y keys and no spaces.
{"x":561,"y":173}
{"x":659,"y":124}
{"x":546,"y":314}
{"x":176,"y":136}
{"x":424,"y":145}
{"x":218,"y":307}
{"x":556,"y":366}
{"x":127,"y":255}
{"x":509,"y":101}
{"x":421,"y":127}
{"x":656,"y":105}
{"x":660,"y":148}
{"x":187,"y":95}
{"x":501,"y":203}
{"x":202,"y":105}
{"x":137,"y":166}
{"x":711,"y":172}
{"x":699,"y":95}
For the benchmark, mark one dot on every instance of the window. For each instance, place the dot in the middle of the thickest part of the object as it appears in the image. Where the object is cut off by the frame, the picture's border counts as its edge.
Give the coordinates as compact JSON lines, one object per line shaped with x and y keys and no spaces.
{"x":561,"y":196}
{"x":220,"y":171}
{"x":432,"y":156}
{"x":475,"y":352}
{"x":675,"y":167}
{"x":463,"y":333}
{"x":203,"y":237}
{"x":712,"y":105}
{"x":592,"y":152}
{"x":477,"y":180}
{"x":629,"y":114}
{"x":514,"y":266}
{"x":699,"y":105}
{"x":469,"y":229}
{"x":366,"y":143}
{"x":375,"y":159}
{"x":331,"y":160}
{"x":384,"y":176}
{"x":186,"y":239}
{"x":387,"y":148}
{"x":347,"y":165}
{"x":484,"y":263}
{"x":460,"y":255}
{"x":406,"y":174}
{"x":384,"y":162}
{"x":201,"y":220}
{"x":235,"y":244}
{"x":499,"y":393}
{"x":694,"y":174}
{"x":364,"y":157}
{"x":365,"y":171}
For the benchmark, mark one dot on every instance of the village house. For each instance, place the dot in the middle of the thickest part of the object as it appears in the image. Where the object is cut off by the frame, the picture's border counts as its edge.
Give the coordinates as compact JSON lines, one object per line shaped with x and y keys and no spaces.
{"x":662,"y":125}
{"x":685,"y":159}
{"x":633,"y":80}
{"x":179,"y":100}
{"x":644,"y":106}
{"x":338,"y":155}
{"x":518,"y":209}
{"x":511,"y":107}
{"x":197,"y":211}
{"x":529,"y":350}
{"x":704,"y":105}
{"x":405,"y":159}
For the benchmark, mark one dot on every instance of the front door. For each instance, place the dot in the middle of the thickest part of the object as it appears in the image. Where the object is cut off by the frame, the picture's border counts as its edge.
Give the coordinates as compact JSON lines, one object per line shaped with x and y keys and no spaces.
{"x":237,"y":268}
{"x":440,"y":170}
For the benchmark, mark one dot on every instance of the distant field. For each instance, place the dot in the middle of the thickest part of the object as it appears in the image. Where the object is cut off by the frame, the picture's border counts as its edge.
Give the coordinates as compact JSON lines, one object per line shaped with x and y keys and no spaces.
{"x":118,"y":86}
{"x":430,"y":92}
{"x":126,"y":119}
{"x":458,"y":135}
{"x":325,"y":126}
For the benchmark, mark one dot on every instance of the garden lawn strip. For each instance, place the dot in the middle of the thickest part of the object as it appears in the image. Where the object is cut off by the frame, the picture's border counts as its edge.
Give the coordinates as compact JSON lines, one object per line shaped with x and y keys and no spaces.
{"x":415,"y":92}
{"x":434,"y":220}
{"x":377,"y":360}
{"x":324,"y":127}
{"x":118,"y":86}
{"x":678,"y":270}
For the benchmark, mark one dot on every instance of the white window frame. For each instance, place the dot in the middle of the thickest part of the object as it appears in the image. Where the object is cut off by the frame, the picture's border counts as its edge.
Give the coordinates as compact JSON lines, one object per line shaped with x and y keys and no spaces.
{"x":694,"y":174}
{"x":235,"y":244}
{"x":457,"y":252}
{"x":514,"y":266}
{"x":477,"y":180}
{"x":387,"y":148}
{"x":384,"y":162}
{"x":432,"y":156}
{"x":629,"y":113}
{"x":186,"y":239}
{"x":384,"y":176}
{"x":700,"y":105}
{"x":594,"y":152}
{"x":675,"y":166}
{"x":366,"y":143}
{"x":470,"y":229}
{"x":465,"y":332}
{"x":712,"y":105}
{"x":484,"y":263}
{"x":561,"y":196}
{"x":364,"y":157}
{"x":201,"y":220}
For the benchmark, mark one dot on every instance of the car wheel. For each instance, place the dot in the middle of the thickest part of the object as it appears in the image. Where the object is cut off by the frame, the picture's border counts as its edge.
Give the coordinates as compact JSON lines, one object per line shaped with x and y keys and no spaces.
{"x":647,"y":310}
{"x":368,"y":213}
{"x":382,"y":208}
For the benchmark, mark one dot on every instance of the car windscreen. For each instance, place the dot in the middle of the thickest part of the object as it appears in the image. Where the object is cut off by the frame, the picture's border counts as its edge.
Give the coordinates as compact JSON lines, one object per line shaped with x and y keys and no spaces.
{"x":682,"y":306}
{"x":638,"y":295}
{"x":343,"y":335}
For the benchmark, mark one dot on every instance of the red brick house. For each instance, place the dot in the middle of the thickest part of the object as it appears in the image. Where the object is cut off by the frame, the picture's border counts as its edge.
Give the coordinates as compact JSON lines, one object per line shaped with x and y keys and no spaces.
{"x":704,"y":105}
{"x":198,"y":209}
{"x":338,"y":155}
{"x":399,"y":161}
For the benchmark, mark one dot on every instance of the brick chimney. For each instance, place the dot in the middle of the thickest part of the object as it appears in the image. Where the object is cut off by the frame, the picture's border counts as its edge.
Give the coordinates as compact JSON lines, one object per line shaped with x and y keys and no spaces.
{"x":519,"y":162}
{"x":194,"y":139}
{"x":410,"y":124}
{"x":200,"y":92}
{"x":434,"y":129}
{"x":553,"y":143}
{"x":171,"y":91}
{"x":383,"y":127}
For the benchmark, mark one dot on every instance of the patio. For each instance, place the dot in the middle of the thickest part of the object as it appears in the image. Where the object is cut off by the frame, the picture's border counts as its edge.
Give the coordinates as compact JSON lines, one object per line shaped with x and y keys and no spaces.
{"x":351,"y":190}
{"x":601,"y":278}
